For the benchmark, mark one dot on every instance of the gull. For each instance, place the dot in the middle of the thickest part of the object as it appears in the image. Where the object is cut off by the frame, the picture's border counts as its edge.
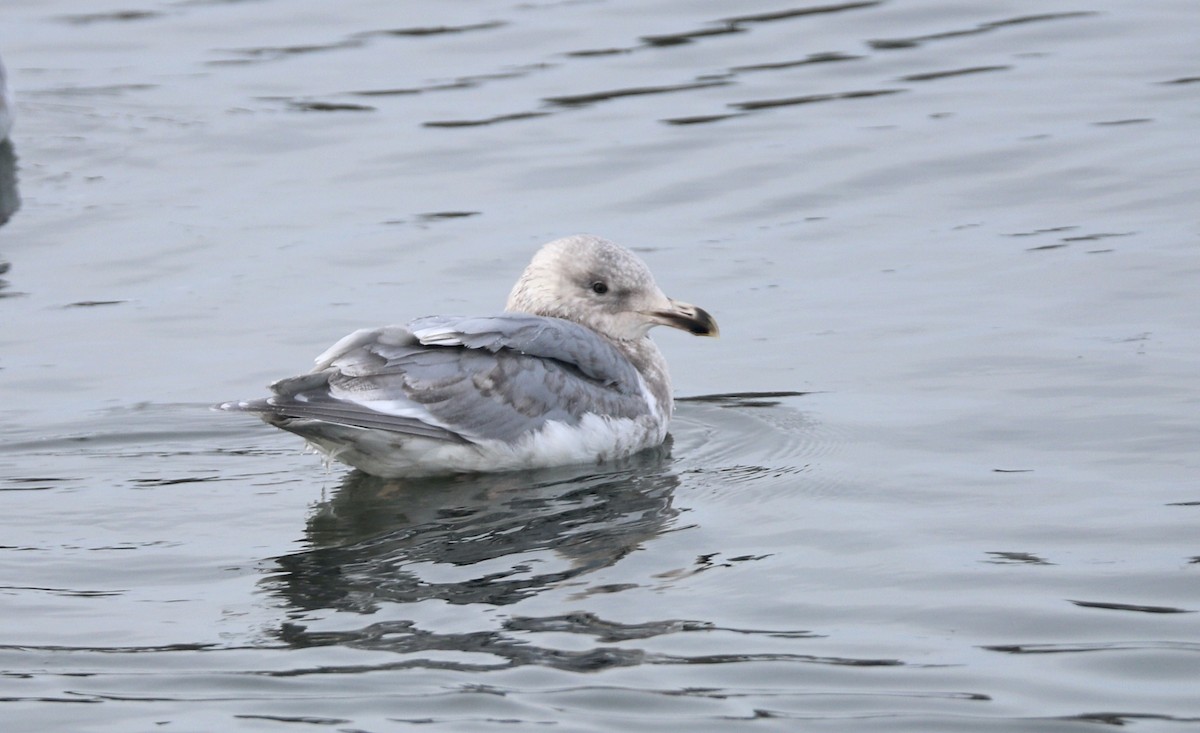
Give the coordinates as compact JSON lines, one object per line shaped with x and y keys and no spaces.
{"x":567,"y":374}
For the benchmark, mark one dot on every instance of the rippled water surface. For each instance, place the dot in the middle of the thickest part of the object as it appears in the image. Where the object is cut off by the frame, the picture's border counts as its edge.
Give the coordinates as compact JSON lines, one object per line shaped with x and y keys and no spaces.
{"x":939,"y":473}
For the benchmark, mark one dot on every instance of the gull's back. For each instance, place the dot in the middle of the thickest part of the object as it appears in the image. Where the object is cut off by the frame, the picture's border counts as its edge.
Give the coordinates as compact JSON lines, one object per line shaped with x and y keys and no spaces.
{"x":449,"y":394}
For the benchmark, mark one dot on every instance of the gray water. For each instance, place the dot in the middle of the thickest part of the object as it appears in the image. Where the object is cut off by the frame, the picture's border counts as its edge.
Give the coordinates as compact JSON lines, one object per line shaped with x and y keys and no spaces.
{"x":939,"y":473}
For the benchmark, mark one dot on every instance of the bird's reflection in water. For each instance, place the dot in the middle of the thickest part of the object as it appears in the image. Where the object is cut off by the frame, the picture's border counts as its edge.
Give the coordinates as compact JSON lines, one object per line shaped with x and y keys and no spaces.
{"x":492,"y":538}
{"x":10,"y":200}
{"x":378,"y":545}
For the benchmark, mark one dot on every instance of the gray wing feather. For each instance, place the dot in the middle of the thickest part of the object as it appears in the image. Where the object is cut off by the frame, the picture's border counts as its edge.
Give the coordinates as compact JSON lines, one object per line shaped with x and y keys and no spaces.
{"x":462,"y":379}
{"x":549,"y":338}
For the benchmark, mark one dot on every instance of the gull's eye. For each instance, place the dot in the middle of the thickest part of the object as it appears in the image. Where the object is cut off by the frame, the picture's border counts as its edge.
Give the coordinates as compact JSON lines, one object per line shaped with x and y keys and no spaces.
{"x":599,"y":288}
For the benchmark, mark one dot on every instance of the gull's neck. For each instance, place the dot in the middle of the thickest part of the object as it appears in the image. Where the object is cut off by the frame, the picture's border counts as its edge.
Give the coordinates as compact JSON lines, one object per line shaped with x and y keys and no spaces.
{"x":644,"y":354}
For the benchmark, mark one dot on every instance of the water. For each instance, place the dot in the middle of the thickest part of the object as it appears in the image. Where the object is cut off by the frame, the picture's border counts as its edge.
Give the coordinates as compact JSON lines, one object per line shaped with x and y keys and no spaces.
{"x":939,"y":473}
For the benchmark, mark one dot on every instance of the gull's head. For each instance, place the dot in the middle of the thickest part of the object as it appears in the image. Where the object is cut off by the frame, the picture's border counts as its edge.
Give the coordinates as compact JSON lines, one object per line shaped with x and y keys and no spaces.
{"x":603,"y":286}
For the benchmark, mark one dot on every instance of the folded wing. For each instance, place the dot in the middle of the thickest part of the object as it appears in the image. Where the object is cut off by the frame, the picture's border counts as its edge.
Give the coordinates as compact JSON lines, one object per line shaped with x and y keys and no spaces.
{"x":462,"y":380}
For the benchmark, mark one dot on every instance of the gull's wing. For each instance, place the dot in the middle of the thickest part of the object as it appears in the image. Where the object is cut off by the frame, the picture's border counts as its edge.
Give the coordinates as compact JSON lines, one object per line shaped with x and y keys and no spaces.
{"x":462,"y":379}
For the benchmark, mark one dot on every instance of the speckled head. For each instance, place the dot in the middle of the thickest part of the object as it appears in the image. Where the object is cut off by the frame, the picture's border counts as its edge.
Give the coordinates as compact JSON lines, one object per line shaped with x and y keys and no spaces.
{"x":601,"y":285}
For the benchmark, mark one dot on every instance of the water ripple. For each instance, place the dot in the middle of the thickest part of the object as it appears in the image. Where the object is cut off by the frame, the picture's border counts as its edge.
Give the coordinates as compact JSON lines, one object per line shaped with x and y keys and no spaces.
{"x":1130,"y":607}
{"x":1105,"y":646}
{"x":914,"y":41}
